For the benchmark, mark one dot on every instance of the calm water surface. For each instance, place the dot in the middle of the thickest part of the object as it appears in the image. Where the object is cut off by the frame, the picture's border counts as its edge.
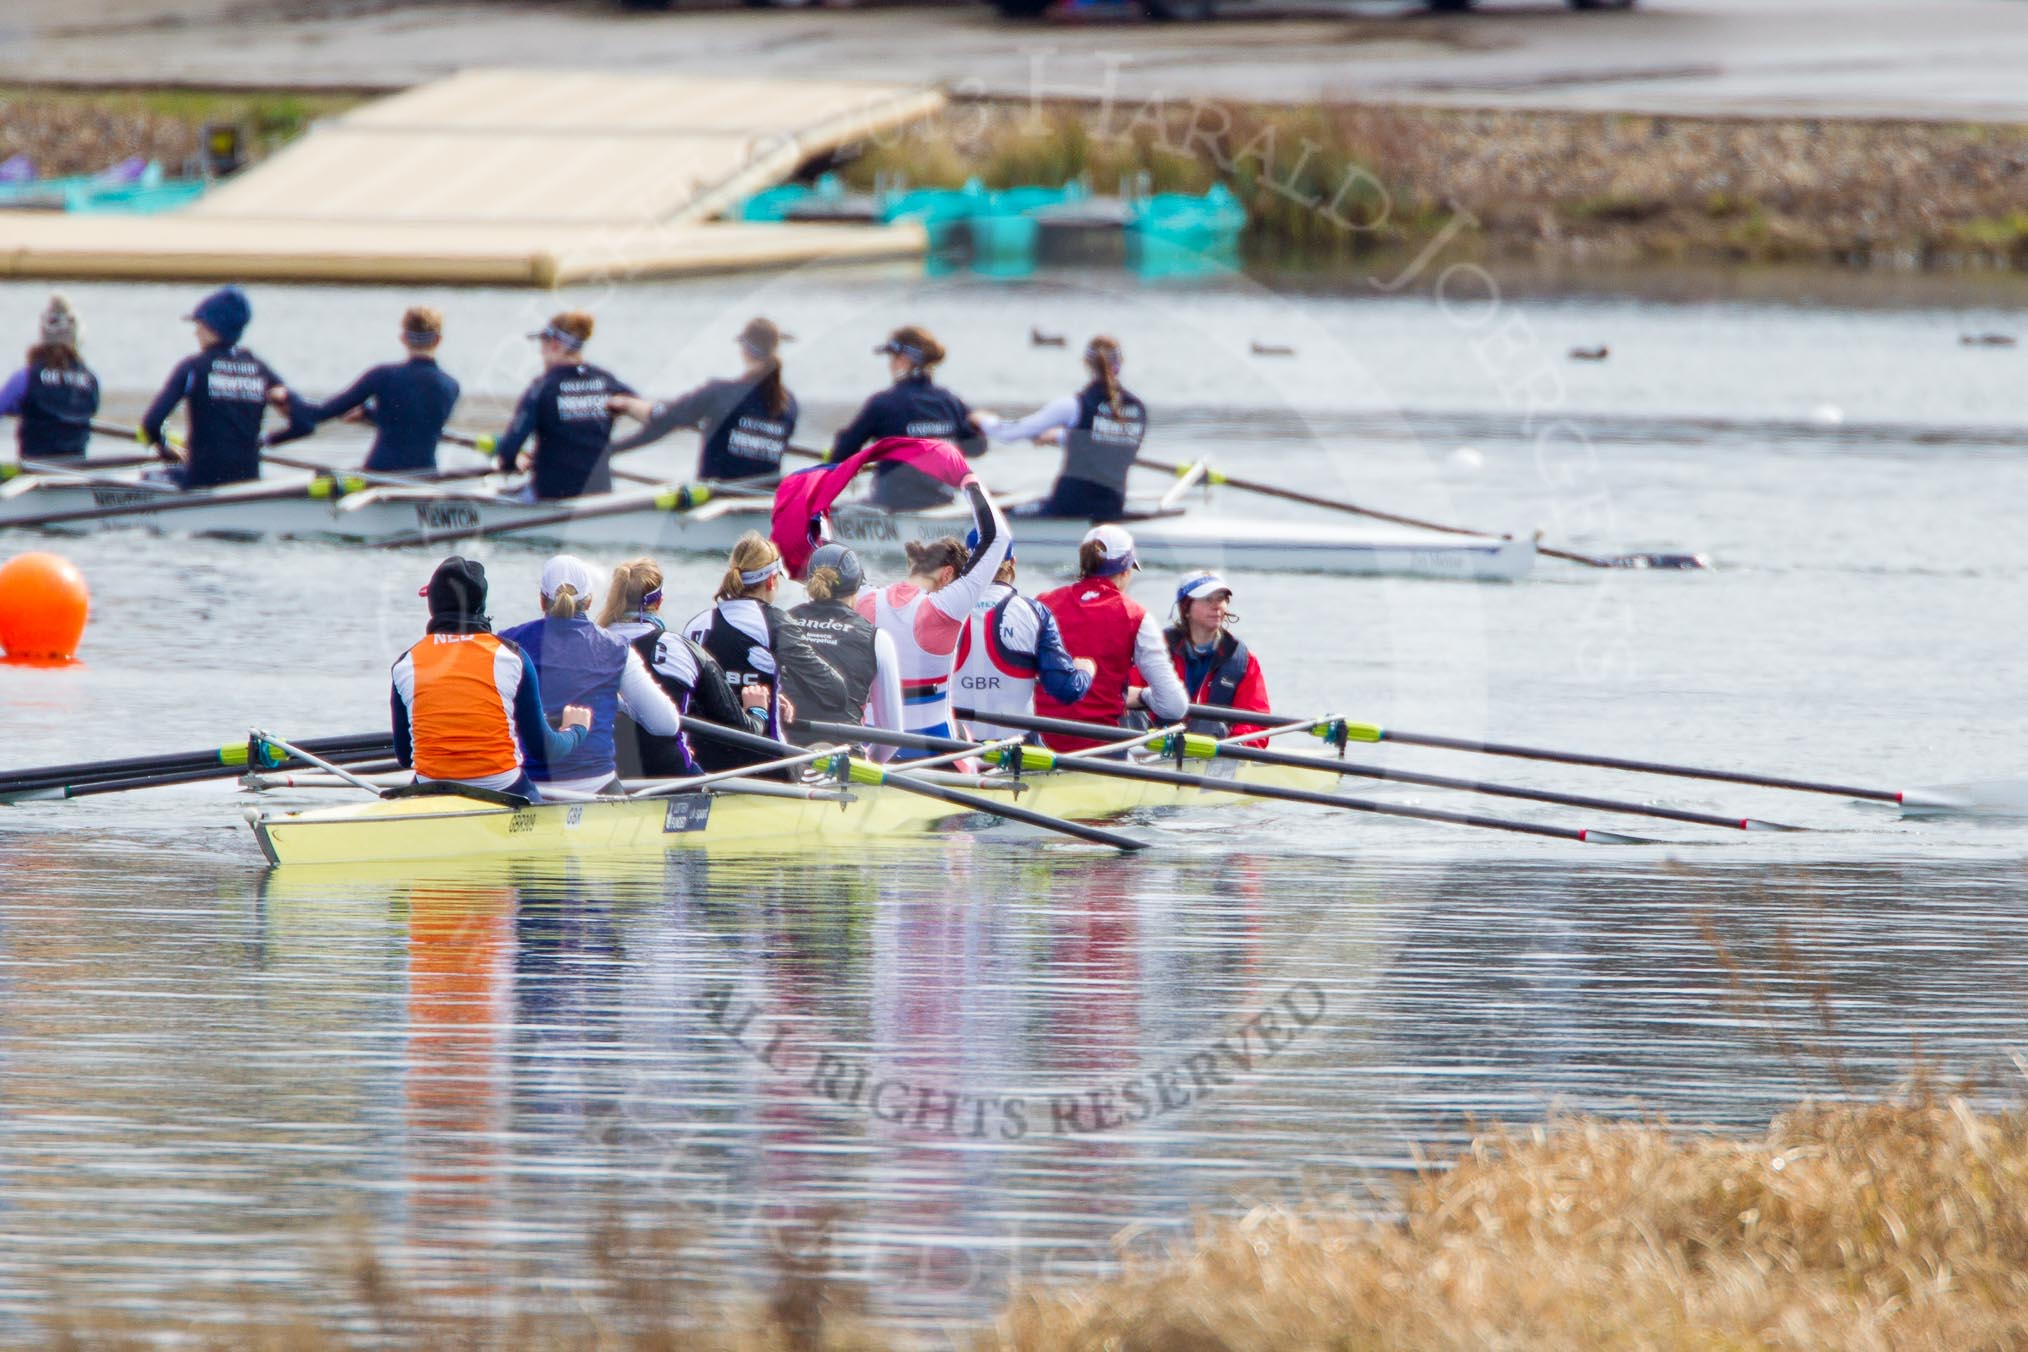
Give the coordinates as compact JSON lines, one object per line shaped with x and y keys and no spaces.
{"x":982,"y":1058}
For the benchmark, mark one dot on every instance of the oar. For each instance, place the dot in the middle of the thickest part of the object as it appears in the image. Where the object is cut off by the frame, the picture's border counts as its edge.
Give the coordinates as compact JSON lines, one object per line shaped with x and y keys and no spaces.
{"x":77,"y":781}
{"x":14,"y":469}
{"x":485,"y":443}
{"x":1334,"y":504}
{"x":1195,"y":746}
{"x":862,"y":772}
{"x":1038,"y":758}
{"x":1340,"y":731}
{"x":668,"y":498}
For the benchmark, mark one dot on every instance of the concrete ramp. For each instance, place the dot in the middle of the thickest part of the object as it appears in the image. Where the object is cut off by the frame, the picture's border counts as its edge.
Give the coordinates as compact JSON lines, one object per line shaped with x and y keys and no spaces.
{"x":509,"y":177}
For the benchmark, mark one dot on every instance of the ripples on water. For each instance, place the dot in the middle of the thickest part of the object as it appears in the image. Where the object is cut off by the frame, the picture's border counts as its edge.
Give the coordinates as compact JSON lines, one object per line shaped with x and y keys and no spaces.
{"x":213,"y":1078}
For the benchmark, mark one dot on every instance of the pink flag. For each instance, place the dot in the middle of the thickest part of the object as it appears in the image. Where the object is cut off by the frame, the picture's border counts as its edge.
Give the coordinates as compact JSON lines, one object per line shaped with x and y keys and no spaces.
{"x":803,"y":499}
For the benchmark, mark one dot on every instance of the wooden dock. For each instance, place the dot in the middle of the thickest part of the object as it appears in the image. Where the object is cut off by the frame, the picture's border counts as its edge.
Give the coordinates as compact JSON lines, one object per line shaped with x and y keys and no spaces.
{"x":505,"y":177}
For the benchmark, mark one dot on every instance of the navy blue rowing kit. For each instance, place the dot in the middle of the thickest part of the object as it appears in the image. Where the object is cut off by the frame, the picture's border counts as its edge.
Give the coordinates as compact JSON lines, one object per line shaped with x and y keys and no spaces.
{"x":565,"y":411}
{"x":56,"y":405}
{"x":1097,"y":453}
{"x":743,"y":435}
{"x":223,"y":390}
{"x":408,"y":403}
{"x":913,"y":406}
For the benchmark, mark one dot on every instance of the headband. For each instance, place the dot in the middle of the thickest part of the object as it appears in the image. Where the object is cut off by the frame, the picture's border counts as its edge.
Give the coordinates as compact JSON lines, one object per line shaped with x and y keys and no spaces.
{"x":420,"y":337}
{"x":753,"y":577}
{"x":651,"y":600}
{"x":568,"y":339}
{"x":1110,"y":360}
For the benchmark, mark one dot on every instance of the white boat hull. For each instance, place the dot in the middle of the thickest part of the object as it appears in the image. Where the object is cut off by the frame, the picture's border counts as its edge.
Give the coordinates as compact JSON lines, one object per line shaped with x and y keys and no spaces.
{"x":652,"y":520}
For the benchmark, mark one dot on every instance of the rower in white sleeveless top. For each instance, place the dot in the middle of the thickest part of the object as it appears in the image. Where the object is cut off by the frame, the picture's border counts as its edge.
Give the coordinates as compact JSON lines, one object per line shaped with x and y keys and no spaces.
{"x":925,"y":615}
{"x":1010,"y":645}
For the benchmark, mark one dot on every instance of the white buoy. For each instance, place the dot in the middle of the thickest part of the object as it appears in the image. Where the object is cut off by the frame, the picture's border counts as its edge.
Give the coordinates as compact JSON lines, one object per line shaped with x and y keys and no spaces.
{"x":1467,"y":457}
{"x":1827,"y":415}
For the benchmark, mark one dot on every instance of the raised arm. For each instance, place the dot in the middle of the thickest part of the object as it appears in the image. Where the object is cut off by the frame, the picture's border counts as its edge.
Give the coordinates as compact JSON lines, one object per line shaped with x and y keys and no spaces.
{"x":957,"y":600}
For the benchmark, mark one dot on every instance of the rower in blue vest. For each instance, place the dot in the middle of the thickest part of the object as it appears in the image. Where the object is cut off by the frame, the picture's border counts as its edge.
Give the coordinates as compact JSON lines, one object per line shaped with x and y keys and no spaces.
{"x":566,"y":411}
{"x":1100,"y":429}
{"x":224,"y":390}
{"x":408,"y":402}
{"x":746,"y":423}
{"x":579,"y":663}
{"x":55,"y":395}
{"x":913,"y":406}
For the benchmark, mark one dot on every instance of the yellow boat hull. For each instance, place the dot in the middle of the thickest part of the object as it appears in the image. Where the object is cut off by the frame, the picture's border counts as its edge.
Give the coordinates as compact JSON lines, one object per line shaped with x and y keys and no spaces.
{"x":447,"y":827}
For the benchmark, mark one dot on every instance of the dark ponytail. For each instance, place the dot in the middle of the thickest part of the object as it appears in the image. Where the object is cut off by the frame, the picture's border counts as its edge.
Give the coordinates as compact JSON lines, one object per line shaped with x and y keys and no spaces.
{"x":773,"y":392}
{"x":1102,"y":357}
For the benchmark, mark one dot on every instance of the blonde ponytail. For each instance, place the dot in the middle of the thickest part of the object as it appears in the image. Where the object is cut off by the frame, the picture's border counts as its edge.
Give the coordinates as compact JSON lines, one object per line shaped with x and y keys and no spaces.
{"x":753,"y":553}
{"x":632,"y":581}
{"x":564,"y":605}
{"x":822,"y":584}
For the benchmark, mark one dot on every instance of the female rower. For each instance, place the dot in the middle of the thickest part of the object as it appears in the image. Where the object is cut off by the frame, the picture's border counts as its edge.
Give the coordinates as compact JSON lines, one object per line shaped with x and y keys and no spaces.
{"x":913,"y":406}
{"x":582,"y":664}
{"x":756,"y":642}
{"x":926,"y":614}
{"x":1216,"y":668}
{"x":1010,"y":644}
{"x":688,"y":675}
{"x":467,"y":704}
{"x":566,"y":411}
{"x":863,"y":656}
{"x":1100,"y":429}
{"x":746,"y":423}
{"x":1100,"y":621}
{"x":224,"y":390}
{"x":408,"y":402}
{"x":55,"y":394}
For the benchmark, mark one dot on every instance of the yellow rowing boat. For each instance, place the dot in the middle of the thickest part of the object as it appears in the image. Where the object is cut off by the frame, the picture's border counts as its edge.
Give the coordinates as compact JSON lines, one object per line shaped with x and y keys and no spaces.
{"x":732,"y":812}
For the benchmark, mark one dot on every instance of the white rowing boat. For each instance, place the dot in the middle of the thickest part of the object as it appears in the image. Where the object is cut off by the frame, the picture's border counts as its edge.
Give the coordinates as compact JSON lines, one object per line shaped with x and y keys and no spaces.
{"x":662,"y":519}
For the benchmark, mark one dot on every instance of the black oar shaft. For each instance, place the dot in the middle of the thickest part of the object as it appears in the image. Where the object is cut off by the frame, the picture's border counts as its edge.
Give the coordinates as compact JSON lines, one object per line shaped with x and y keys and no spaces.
{"x":752,"y":742}
{"x":1120,"y":769}
{"x":1222,"y":714}
{"x":86,"y":787}
{"x":180,"y":760}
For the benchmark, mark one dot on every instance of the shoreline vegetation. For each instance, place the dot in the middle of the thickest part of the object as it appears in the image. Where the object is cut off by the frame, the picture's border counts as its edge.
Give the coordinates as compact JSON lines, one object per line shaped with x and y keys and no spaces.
{"x":1341,"y":184}
{"x":1334,"y":184}
{"x":1889,"y":1225}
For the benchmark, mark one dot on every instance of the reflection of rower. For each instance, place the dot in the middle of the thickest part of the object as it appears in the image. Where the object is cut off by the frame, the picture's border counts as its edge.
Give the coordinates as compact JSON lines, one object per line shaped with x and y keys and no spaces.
{"x":1100,"y":429}
{"x":746,"y":423}
{"x":54,"y":394}
{"x":914,"y":406}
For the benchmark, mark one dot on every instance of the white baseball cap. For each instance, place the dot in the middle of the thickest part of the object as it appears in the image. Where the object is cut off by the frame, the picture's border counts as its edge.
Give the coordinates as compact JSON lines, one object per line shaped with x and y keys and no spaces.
{"x":1201,"y":587}
{"x":1115,"y":545}
{"x":568,"y":570}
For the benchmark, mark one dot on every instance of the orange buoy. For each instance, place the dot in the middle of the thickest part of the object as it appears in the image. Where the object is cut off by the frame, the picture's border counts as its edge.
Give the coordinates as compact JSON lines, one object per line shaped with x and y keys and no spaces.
{"x":43,"y":606}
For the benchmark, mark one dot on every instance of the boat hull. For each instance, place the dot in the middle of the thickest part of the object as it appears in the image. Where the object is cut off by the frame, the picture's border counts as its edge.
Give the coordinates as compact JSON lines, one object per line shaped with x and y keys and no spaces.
{"x":651,"y":520}
{"x":447,"y":827}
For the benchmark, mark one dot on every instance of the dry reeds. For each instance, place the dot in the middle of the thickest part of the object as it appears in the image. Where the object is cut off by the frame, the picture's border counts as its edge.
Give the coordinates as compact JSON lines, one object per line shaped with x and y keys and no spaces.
{"x":1888,"y":1226}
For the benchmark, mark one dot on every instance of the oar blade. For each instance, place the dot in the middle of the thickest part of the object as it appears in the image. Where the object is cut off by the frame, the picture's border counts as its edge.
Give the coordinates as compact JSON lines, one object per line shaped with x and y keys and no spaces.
{"x":1680,"y":562}
{"x":1593,"y":836}
{"x":1983,"y":798}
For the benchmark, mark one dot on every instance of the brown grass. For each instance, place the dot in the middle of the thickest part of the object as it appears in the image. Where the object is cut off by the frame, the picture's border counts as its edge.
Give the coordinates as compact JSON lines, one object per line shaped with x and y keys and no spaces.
{"x":1556,"y":185}
{"x":1889,"y":1226}
{"x":1898,"y":1225}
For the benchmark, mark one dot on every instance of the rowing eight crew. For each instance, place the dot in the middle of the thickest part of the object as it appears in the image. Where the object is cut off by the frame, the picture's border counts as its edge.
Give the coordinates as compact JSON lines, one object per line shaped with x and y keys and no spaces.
{"x":570,"y":703}
{"x":561,"y":433}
